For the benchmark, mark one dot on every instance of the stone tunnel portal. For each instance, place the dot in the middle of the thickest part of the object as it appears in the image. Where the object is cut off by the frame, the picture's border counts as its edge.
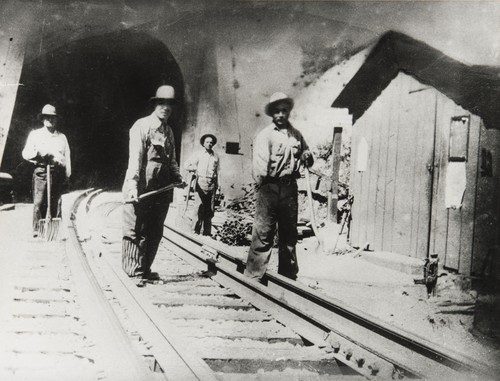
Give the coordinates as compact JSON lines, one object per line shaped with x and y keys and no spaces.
{"x":100,"y":86}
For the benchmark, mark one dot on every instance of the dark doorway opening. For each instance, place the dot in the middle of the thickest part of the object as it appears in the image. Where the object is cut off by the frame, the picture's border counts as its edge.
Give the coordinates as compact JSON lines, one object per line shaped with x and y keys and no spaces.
{"x":100,"y":86}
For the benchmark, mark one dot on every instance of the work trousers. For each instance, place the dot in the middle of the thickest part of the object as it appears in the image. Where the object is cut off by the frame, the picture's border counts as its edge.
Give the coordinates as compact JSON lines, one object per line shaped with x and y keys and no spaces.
{"x":276,"y":203}
{"x":39,"y":189}
{"x":204,"y":209}
{"x":142,"y":233}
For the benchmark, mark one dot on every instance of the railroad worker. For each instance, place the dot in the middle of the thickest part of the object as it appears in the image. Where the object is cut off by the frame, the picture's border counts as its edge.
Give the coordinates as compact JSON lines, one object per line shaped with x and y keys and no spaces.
{"x":47,"y":146}
{"x":152,"y":165}
{"x":279,"y":151}
{"x":205,"y":165}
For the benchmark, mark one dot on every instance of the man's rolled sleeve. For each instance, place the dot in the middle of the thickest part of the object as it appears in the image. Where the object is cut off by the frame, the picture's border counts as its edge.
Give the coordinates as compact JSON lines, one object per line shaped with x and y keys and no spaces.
{"x":67,"y":158}
{"x":260,"y":161}
{"x":30,"y":152}
{"x":136,"y":152}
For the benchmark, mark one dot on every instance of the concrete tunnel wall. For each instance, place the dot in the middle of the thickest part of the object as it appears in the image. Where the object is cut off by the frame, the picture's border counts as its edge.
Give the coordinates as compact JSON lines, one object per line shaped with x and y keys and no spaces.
{"x":224,"y":65}
{"x":246,"y":59}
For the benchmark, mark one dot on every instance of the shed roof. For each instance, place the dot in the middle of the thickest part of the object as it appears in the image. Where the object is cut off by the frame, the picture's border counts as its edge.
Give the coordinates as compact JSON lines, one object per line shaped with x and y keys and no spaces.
{"x":476,"y":88}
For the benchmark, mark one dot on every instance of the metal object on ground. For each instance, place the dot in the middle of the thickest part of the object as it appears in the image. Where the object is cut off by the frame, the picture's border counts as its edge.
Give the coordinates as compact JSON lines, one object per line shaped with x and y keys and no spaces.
{"x":430,"y":274}
{"x":48,"y":226}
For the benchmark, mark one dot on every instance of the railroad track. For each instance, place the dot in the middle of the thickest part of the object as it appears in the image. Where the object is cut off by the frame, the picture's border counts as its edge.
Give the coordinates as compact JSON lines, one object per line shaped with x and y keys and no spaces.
{"x":205,"y":321}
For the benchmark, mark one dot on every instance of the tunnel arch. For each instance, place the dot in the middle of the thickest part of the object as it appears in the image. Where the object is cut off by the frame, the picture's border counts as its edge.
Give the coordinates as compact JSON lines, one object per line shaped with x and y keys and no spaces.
{"x":100,"y":86}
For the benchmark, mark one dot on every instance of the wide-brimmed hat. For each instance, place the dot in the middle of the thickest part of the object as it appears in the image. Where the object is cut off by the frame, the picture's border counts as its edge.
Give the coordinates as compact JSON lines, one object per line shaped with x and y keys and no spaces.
{"x":47,"y":110}
{"x":164,"y":93}
{"x":202,"y":139}
{"x":275,"y":99}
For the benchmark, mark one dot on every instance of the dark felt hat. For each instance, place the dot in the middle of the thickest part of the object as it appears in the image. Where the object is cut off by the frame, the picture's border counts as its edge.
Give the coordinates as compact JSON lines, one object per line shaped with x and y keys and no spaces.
{"x":202,"y":139}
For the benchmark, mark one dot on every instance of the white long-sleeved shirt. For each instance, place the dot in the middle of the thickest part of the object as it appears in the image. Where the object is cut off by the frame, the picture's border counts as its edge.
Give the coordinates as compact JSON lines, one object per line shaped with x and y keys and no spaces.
{"x":54,"y":143}
{"x":277,"y":152}
{"x":206,"y":164}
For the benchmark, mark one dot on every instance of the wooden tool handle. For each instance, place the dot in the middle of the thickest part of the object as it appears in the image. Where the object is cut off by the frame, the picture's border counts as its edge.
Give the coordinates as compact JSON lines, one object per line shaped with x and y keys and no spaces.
{"x":311,"y":205}
{"x":49,"y":195}
{"x":147,"y":195}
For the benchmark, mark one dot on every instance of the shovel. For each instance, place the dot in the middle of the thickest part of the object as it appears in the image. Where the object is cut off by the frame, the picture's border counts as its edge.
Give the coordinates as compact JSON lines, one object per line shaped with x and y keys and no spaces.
{"x":191,"y":185}
{"x":48,"y":226}
{"x":327,"y":232}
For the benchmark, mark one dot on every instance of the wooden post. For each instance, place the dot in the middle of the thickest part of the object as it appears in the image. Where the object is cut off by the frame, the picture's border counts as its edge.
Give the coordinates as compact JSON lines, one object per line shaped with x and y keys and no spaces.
{"x":336,"y":147}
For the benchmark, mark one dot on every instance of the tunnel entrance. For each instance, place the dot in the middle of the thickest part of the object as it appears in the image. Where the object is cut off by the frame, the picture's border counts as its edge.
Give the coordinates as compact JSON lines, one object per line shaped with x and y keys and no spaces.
{"x":100,"y":86}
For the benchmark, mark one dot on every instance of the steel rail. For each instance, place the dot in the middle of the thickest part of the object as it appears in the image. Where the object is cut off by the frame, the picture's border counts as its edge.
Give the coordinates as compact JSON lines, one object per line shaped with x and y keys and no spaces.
{"x":174,"y":360}
{"x":118,"y":357}
{"x":406,"y":352}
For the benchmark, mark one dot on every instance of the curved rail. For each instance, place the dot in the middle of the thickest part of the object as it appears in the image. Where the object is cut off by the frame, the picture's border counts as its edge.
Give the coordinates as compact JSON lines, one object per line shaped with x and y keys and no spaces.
{"x":119,"y":357}
{"x":174,"y":361}
{"x":357,"y":339}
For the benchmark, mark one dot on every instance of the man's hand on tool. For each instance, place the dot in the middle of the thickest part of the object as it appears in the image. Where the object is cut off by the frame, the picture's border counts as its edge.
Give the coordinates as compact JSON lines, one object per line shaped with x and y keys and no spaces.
{"x":181,"y":185}
{"x":307,"y":159}
{"x":132,"y":196}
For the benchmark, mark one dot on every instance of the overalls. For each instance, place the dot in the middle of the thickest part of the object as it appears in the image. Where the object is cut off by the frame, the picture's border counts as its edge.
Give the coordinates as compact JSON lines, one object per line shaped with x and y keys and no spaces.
{"x":143,"y":222}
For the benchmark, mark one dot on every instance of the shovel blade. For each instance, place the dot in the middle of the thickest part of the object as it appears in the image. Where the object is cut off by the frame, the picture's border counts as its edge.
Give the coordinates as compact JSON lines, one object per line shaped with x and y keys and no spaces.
{"x":50,"y":229}
{"x":42,"y":228}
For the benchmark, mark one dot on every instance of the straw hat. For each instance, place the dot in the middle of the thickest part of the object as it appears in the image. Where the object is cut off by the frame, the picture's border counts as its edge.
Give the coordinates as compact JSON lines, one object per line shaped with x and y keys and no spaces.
{"x":275,"y":99}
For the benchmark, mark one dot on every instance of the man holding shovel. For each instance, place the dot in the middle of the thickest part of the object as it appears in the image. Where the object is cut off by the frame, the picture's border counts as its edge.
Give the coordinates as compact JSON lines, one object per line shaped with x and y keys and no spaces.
{"x":152,"y":167}
{"x":205,"y":166}
{"x":47,"y":146}
{"x":279,"y":151}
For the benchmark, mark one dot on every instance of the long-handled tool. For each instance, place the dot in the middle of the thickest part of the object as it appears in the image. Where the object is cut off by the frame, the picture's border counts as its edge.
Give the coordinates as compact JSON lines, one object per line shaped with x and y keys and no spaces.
{"x":191,"y":185}
{"x":49,"y":227}
{"x":311,"y":207}
{"x":147,"y":195}
{"x":328,"y":230}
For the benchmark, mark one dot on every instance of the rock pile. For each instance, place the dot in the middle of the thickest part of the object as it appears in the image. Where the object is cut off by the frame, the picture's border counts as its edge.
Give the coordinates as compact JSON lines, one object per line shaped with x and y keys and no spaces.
{"x":237,"y":228}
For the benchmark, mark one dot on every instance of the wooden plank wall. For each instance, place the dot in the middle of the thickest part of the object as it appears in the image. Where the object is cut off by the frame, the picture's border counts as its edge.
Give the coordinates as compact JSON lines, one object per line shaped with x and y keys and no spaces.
{"x":408,"y":132}
{"x":485,"y":261}
{"x":392,"y":198}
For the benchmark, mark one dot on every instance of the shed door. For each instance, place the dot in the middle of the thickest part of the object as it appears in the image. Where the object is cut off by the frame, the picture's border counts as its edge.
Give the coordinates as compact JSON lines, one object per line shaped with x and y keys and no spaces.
{"x":413,"y":170}
{"x":393,"y":192}
{"x":454,"y":203}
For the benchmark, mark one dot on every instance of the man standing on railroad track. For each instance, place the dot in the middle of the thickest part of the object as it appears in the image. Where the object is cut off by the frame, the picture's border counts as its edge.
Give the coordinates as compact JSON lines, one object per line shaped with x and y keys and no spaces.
{"x":152,"y":166}
{"x":47,"y":146}
{"x":279,"y":151}
{"x":204,"y":164}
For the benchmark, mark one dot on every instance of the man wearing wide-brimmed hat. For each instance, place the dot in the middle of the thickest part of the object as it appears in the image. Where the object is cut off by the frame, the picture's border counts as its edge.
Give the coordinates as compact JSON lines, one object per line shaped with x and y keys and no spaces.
{"x":205,"y":165}
{"x":47,"y":146}
{"x":279,"y":152}
{"x":152,"y":165}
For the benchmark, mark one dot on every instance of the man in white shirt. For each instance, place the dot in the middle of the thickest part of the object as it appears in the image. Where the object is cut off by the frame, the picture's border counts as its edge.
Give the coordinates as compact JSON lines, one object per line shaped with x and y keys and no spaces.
{"x":47,"y":146}
{"x":152,"y":165}
{"x":205,"y":165}
{"x":279,"y":152}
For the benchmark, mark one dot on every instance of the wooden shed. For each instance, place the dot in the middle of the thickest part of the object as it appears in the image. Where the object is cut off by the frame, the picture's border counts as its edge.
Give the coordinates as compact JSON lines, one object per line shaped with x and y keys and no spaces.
{"x":425,"y":155}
